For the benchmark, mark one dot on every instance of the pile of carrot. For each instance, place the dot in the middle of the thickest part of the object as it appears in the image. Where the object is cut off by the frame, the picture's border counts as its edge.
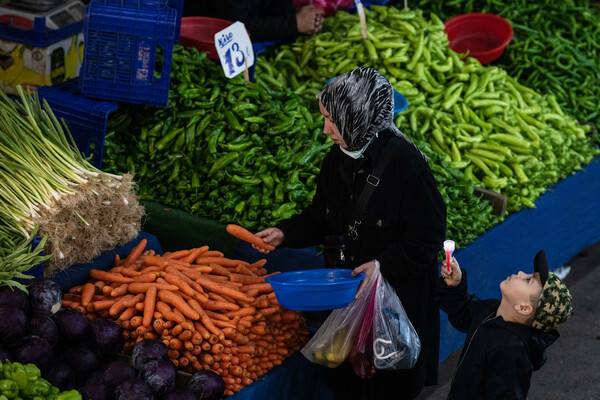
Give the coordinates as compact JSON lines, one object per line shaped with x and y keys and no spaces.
{"x":212,"y":312}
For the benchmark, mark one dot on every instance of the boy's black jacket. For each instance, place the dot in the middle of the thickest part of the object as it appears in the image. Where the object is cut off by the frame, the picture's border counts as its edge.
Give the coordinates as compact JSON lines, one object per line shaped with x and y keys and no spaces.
{"x":498,"y":357}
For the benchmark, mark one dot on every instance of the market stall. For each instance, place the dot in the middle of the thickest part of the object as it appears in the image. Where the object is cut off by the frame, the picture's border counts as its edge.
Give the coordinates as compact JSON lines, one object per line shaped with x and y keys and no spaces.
{"x":135,"y":234}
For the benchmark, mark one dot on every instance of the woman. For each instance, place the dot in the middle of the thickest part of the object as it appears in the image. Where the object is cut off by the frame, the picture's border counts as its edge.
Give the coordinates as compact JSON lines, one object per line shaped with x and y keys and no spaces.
{"x":401,"y":226}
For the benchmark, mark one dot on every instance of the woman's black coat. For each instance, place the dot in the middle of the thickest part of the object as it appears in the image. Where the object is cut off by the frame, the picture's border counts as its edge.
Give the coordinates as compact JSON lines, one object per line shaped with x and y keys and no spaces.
{"x":403,"y":228}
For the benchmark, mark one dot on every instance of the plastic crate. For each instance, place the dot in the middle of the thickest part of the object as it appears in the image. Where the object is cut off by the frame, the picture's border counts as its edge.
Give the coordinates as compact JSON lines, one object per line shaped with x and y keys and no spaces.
{"x":38,"y":35}
{"x":85,"y":118}
{"x":122,"y":38}
{"x":177,"y":5}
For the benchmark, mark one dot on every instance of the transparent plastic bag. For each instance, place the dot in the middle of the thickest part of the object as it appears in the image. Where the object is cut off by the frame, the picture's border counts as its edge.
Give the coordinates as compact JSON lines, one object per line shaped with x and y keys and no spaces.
{"x":333,"y":341}
{"x":396,"y":344}
{"x":361,"y":356}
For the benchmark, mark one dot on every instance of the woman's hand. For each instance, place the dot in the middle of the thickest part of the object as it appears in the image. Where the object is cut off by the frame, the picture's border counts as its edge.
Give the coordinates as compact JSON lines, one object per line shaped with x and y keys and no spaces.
{"x":453,"y":277}
{"x":272,"y":236}
{"x":369,"y":268}
{"x":309,"y":19}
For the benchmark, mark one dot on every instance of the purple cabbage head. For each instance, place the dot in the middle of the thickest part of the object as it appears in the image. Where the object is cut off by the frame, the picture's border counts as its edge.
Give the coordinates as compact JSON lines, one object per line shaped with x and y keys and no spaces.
{"x":148,"y":350}
{"x":13,"y":325}
{"x":44,"y":327}
{"x":82,"y":360}
{"x":116,"y":372}
{"x":44,"y":296}
{"x":73,"y":326}
{"x":14,"y":297}
{"x":34,"y":350}
{"x":208,"y":385}
{"x":160,"y":375}
{"x":133,"y":389}
{"x":182,"y":394}
{"x":95,"y":388}
{"x":106,"y":336}
{"x":60,"y":375}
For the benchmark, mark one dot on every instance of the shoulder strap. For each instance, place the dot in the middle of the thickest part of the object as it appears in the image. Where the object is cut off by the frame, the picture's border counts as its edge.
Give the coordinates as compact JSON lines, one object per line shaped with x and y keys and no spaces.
{"x":372,"y":182}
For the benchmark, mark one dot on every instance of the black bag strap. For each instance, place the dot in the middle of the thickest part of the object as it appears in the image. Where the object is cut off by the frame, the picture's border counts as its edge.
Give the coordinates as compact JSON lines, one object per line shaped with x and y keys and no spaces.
{"x":373,"y":181}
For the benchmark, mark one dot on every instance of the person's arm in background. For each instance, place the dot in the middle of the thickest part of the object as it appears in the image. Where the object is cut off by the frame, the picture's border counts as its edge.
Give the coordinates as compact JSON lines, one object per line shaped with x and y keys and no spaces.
{"x":268,"y":20}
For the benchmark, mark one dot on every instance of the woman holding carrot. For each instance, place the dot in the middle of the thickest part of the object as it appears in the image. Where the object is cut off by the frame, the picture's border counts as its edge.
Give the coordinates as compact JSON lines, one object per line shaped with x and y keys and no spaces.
{"x":376,"y":192}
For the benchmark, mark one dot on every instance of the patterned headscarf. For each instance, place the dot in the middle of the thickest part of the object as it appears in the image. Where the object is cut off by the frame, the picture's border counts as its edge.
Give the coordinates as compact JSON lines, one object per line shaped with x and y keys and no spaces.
{"x":361,"y":104}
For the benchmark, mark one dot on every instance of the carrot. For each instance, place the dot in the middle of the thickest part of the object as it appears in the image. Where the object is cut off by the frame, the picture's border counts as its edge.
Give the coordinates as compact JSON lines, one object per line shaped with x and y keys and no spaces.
{"x":179,"y":303}
{"x":220,"y":305}
{"x":176,"y":280}
{"x":152,"y":268}
{"x":246,"y":279}
{"x":127,"y":314}
{"x":76,"y":289}
{"x":166,"y":311}
{"x":109,"y":276}
{"x":107,"y":289}
{"x":195,"y":254}
{"x":222,"y":289}
{"x":175,"y":344}
{"x":246,"y":311}
{"x":261,"y":272}
{"x":156,"y":261}
{"x":142,"y":287}
{"x":213,"y":253}
{"x":248,"y":348}
{"x":117,"y":260}
{"x":149,"y":304}
{"x":119,"y":305}
{"x":125,"y":271}
{"x":202,"y":330}
{"x":186,"y":336}
{"x":222,"y":261}
{"x":262,"y":287}
{"x":87,"y":292}
{"x":139,"y":307}
{"x":100,"y":305}
{"x":119,"y":290}
{"x":177,"y":254}
{"x":222,"y":324}
{"x":135,"y":252}
{"x":219,"y":270}
{"x":146,"y":277}
{"x":247,"y":236}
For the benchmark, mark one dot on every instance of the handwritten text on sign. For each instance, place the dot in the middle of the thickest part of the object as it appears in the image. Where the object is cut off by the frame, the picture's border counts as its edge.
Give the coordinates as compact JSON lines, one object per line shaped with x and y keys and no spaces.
{"x":234,"y":49}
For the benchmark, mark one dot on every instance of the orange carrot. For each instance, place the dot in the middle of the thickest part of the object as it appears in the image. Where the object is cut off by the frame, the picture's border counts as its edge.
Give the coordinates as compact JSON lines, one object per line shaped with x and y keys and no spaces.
{"x":149,"y":304}
{"x":202,"y":330}
{"x":242,"y":312}
{"x":176,"y":280}
{"x":195,"y":254}
{"x":135,"y":252}
{"x":152,"y":268}
{"x":125,"y":271}
{"x":225,"y":262}
{"x":101,"y":305}
{"x":222,"y":289}
{"x":247,"y":279}
{"x":262,"y":287}
{"x":127,"y":314}
{"x":87,"y":292}
{"x":107,"y":289}
{"x":247,"y":236}
{"x":258,"y":264}
{"x":119,"y":305}
{"x":177,"y":254}
{"x":213,"y":253}
{"x":117,"y":260}
{"x":142,"y":287}
{"x":166,"y":311}
{"x":222,"y":324}
{"x":219,"y":270}
{"x":119,"y":290}
{"x":76,"y":289}
{"x":146,"y":277}
{"x":220,"y":305}
{"x":109,"y":276}
{"x":179,"y":303}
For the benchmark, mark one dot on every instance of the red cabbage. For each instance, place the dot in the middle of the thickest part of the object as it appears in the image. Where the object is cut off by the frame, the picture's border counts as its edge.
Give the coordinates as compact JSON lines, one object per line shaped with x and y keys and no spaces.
{"x":116,"y":372}
{"x":44,"y":296}
{"x":207,"y":384}
{"x":14,"y":297}
{"x":106,"y":336}
{"x":95,"y":388}
{"x":34,"y":350}
{"x":160,"y":375}
{"x":60,"y":375}
{"x":72,"y":325}
{"x":13,"y":325}
{"x":181,"y":395}
{"x":44,"y":327}
{"x":82,"y":360}
{"x":133,"y":389}
{"x":148,"y":350}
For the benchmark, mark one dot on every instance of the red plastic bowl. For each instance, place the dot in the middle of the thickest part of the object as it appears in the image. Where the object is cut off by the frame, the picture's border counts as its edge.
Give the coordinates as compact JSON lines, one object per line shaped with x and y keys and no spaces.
{"x":199,"y":32}
{"x":483,"y":35}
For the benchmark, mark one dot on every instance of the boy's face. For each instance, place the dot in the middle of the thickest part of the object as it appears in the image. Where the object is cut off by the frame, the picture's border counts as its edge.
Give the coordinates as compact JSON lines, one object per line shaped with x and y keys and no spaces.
{"x":521,"y":288}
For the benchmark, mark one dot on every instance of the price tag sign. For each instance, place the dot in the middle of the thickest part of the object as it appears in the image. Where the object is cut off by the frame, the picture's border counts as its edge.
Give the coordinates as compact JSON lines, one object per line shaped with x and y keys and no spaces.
{"x":234,"y":49}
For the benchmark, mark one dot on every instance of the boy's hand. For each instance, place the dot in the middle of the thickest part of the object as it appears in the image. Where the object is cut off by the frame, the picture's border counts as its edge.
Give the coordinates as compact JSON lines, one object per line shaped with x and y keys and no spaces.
{"x":453,"y":277}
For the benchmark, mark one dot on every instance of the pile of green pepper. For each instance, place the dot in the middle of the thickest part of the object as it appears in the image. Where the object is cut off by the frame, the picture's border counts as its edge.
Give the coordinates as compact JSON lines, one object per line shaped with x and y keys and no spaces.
{"x":555,"y":49}
{"x":502,"y":135}
{"x":224,"y":149}
{"x":24,"y":382}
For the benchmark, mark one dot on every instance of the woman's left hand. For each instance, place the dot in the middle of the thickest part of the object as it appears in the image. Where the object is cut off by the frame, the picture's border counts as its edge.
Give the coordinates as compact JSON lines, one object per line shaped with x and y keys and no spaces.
{"x":369,"y":268}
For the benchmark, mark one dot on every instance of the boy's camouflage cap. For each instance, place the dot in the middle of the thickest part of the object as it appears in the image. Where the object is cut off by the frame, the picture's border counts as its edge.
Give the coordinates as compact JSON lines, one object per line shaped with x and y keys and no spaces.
{"x":555,"y":303}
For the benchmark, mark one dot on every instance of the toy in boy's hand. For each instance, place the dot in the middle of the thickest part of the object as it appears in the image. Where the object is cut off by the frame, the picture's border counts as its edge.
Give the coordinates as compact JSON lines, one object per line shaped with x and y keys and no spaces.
{"x":453,"y":275}
{"x":449,"y":249}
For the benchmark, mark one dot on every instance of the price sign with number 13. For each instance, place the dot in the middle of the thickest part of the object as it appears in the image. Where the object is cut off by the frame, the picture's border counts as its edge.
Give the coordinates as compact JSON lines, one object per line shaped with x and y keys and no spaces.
{"x":234,"y":49}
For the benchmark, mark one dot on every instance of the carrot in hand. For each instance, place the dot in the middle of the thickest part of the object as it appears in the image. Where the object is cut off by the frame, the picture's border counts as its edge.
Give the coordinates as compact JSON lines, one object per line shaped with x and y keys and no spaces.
{"x":247,"y":236}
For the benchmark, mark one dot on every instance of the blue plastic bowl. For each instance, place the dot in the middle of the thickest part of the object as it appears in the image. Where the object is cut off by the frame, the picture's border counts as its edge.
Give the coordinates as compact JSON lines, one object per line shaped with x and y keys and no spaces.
{"x":400,"y":102}
{"x":315,"y":289}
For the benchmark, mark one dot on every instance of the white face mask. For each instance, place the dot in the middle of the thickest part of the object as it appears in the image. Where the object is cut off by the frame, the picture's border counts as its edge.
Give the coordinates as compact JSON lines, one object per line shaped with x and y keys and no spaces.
{"x":358,"y":153}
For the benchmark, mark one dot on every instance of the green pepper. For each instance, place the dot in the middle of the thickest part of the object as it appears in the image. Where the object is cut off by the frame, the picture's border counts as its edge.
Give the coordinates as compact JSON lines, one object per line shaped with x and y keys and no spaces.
{"x":223,"y":162}
{"x":38,"y":387}
{"x":285,"y":211}
{"x":214,"y":138}
{"x":68,"y":395}
{"x":245,"y":181}
{"x":168,"y":138}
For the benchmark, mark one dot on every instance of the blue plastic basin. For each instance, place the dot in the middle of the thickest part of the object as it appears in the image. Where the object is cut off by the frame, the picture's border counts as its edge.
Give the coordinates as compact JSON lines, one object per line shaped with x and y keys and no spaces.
{"x":315,"y":289}
{"x":400,"y":102}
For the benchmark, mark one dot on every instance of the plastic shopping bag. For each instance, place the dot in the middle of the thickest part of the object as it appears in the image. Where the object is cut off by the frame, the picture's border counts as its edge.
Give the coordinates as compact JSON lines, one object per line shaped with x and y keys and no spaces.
{"x":396,"y":344}
{"x":331,"y":344}
{"x":361,"y":354}
{"x":330,"y":6}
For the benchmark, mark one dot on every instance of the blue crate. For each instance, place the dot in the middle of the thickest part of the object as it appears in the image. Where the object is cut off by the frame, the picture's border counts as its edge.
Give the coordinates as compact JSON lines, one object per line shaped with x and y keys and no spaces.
{"x":121,"y":43}
{"x":39,"y":36}
{"x":177,"y":5}
{"x":85,"y":118}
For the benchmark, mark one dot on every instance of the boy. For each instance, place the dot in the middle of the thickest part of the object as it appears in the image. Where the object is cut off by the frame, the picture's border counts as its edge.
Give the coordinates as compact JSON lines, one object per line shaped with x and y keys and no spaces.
{"x":506,"y":339}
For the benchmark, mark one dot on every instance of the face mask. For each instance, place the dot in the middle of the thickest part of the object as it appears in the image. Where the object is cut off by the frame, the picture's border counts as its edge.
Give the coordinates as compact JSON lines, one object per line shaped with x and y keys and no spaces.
{"x":358,"y":153}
